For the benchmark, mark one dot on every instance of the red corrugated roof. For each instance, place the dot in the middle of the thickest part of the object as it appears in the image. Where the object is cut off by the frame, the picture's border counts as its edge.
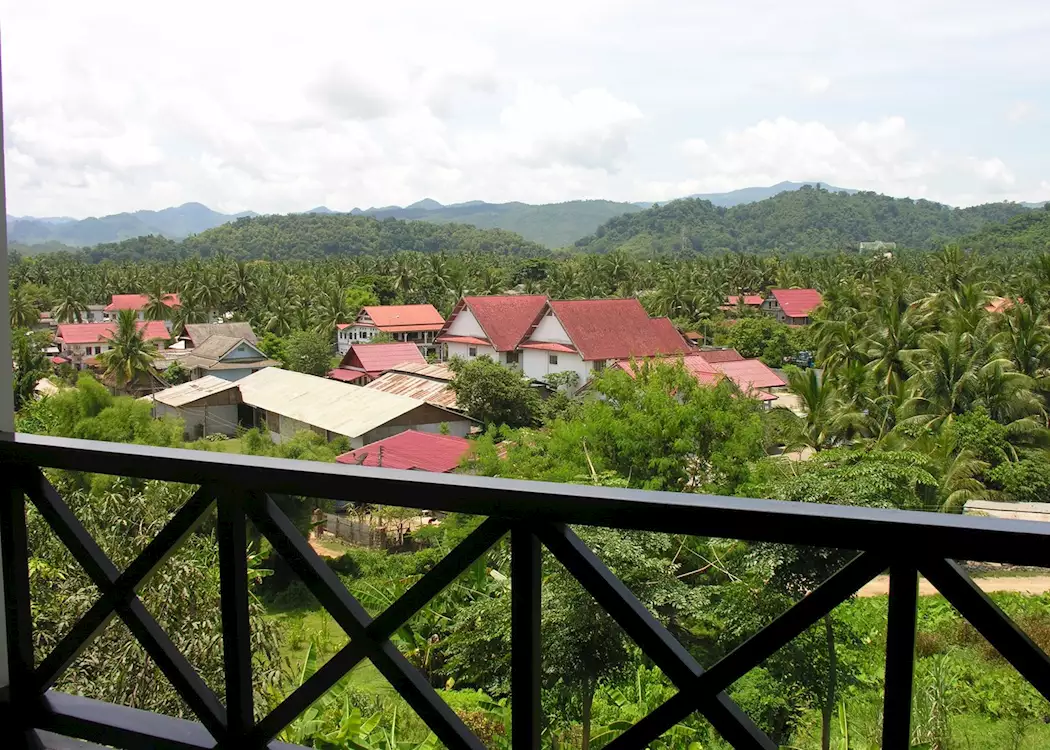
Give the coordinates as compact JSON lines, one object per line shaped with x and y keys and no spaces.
{"x":375,"y":359}
{"x":749,"y":299}
{"x":720,"y":355}
{"x":505,"y":319}
{"x":405,"y":317}
{"x":616,"y":329}
{"x":797,"y":303}
{"x":749,"y":374}
{"x":137,"y":302}
{"x":422,"y":451}
{"x":347,"y":376}
{"x":341,"y":326}
{"x":96,"y":333}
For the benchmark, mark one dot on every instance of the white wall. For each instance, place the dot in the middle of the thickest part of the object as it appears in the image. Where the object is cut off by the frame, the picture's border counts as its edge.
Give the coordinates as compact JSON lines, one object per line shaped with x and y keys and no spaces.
{"x":536,"y":364}
{"x":465,"y":324}
{"x":463,"y":351}
{"x":549,"y":329}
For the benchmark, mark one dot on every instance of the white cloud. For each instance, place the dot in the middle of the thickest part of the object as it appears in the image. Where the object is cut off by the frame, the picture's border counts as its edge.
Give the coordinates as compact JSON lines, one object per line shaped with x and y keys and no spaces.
{"x":816,"y":84}
{"x":884,"y":155}
{"x":1020,"y":111}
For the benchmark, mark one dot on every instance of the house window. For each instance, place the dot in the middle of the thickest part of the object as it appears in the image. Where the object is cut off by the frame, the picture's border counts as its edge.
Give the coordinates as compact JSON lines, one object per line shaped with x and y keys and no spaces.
{"x":599,"y":365}
{"x":472,"y":351}
{"x":512,"y":358}
{"x":552,"y":359}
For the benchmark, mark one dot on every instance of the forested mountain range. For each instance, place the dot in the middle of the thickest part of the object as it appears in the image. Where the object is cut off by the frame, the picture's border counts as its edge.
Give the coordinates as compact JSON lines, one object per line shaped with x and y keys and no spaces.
{"x":177,"y":222}
{"x":806,"y":219}
{"x":316,"y":236}
{"x":1029,"y":231}
{"x":551,"y":224}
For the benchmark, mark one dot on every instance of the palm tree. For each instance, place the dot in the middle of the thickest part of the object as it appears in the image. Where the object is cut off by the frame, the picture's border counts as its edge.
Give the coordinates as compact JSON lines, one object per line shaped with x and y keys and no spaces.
{"x":828,"y":420}
{"x":72,"y":304}
{"x":1025,"y":341}
{"x":23,"y":312}
{"x":156,"y":304}
{"x":130,"y":357}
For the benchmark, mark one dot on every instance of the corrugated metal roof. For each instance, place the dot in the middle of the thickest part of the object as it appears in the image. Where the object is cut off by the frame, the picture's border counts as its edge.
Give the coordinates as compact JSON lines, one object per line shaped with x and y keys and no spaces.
{"x":435,"y":392}
{"x":616,"y":329}
{"x":797,"y":303}
{"x":405,"y":317}
{"x":375,"y":359}
{"x":96,"y":333}
{"x":194,"y":390}
{"x":422,"y":451}
{"x":326,"y":404}
{"x":200,"y":332}
{"x":137,"y":302}
{"x":346,"y":376}
{"x":505,"y":319}
{"x":426,"y":369}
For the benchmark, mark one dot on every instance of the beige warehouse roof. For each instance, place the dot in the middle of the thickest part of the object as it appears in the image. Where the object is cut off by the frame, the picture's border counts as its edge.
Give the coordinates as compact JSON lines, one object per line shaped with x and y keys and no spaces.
{"x":187,"y":393}
{"x":327,"y":404}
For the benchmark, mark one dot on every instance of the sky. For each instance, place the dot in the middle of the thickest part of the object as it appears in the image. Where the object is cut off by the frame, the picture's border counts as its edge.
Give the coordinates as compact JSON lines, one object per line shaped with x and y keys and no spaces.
{"x":116,"y":106}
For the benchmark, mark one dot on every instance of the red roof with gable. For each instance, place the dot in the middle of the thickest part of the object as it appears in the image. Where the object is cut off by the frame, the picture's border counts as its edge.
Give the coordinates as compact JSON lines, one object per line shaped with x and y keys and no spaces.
{"x":616,"y":329}
{"x":797,"y":303}
{"x":505,"y":319}
{"x":719,"y":355}
{"x":749,"y":375}
{"x":749,"y":299}
{"x":346,"y":376}
{"x":375,"y":359}
{"x":137,"y":302}
{"x":397,"y":318}
{"x":96,"y":333}
{"x":422,"y":451}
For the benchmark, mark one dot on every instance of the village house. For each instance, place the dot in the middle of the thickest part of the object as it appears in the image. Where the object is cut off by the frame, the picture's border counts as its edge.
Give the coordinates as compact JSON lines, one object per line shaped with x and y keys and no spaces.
{"x":733,"y":301}
{"x":364,"y":362}
{"x":416,"y":324}
{"x":792,"y":306}
{"x":226,"y":357}
{"x":750,"y":376}
{"x":195,"y":334}
{"x":136,"y":302}
{"x":81,"y":342}
{"x":286,"y":402}
{"x":411,"y":450}
{"x":207,"y":406}
{"x":541,"y":337}
{"x":427,"y":382}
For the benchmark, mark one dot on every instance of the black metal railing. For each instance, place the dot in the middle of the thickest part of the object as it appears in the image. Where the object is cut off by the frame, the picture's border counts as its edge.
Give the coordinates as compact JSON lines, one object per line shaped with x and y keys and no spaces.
{"x":534,"y":514}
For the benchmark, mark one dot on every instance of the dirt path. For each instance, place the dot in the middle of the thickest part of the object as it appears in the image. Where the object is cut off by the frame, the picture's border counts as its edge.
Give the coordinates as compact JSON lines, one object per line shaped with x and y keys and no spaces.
{"x":1023,"y":585}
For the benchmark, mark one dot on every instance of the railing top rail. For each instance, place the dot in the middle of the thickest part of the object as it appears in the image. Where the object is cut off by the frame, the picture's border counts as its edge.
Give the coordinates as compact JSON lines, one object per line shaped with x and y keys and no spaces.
{"x":845,"y":527}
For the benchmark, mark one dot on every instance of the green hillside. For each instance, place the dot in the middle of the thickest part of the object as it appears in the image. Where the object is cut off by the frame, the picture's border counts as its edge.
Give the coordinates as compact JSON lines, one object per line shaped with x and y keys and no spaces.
{"x":316,"y":236}
{"x":806,"y":219}
{"x":1030,"y":231}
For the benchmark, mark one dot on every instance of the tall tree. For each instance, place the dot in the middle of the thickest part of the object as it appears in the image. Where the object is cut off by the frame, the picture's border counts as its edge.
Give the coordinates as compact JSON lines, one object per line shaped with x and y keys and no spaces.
{"x":130,"y":357}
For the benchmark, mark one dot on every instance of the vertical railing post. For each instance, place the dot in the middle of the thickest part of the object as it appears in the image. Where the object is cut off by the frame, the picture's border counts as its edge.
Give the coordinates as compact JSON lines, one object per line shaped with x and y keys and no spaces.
{"x":900,"y":656}
{"x":236,"y":633}
{"x":525,"y":662}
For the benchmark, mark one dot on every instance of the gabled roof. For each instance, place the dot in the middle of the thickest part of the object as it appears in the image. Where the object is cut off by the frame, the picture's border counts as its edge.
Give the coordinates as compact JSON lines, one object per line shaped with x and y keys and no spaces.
{"x":505,"y":319}
{"x":616,"y":329}
{"x":137,"y":302}
{"x":397,"y":318}
{"x":797,"y":303}
{"x":376,"y":359}
{"x":194,"y":390}
{"x":97,"y":333}
{"x":199,"y":332}
{"x":327,"y":405}
{"x":422,"y":451}
{"x":719,"y":355}
{"x":433,"y":390}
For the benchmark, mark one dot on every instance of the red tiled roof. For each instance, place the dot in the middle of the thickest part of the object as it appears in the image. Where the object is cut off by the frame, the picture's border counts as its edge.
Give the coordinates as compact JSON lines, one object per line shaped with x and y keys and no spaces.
{"x":749,"y":299}
{"x":422,"y":451}
{"x":505,"y":319}
{"x":398,"y":318}
{"x":719,"y":355}
{"x":59,"y":360}
{"x":347,"y":376}
{"x":797,"y":303}
{"x":616,"y":329}
{"x":341,"y":326}
{"x":375,"y":359}
{"x":137,"y":302}
{"x":96,"y":333}
{"x":462,"y":340}
{"x":549,"y":346}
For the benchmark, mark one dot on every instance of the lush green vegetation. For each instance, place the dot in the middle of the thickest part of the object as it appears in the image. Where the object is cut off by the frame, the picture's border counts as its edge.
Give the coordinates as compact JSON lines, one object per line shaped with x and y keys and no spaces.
{"x":806,"y":219}
{"x":926,"y":396}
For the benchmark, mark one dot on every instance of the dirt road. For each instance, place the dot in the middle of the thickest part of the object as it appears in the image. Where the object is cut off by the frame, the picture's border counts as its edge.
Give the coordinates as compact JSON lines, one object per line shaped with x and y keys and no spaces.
{"x":1024,"y":585}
